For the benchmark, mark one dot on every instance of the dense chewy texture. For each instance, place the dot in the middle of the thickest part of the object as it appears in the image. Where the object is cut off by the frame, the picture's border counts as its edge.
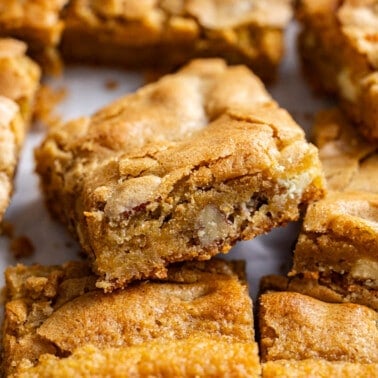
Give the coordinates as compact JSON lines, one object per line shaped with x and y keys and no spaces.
{"x":201,"y":308}
{"x":336,"y":256}
{"x":167,"y":33}
{"x":37,"y":22}
{"x":295,"y":327}
{"x":19,"y":81}
{"x":340,"y":55}
{"x":180,"y":170}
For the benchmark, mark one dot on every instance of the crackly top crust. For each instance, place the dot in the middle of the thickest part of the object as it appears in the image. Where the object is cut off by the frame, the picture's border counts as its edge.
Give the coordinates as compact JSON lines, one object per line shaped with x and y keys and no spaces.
{"x":56,"y":309}
{"x":11,"y":135}
{"x":38,"y":20}
{"x":349,"y":161}
{"x":210,"y":14}
{"x":358,"y":21}
{"x":19,"y":75}
{"x":297,"y":327}
{"x":178,"y":358}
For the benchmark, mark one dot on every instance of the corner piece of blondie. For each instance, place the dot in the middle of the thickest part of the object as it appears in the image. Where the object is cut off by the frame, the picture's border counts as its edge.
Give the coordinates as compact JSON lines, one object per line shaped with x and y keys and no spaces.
{"x":180,"y":170}
{"x":198,"y":321}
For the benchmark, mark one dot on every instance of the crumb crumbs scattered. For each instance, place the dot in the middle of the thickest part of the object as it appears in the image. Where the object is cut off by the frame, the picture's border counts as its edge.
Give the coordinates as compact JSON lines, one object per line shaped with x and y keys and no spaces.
{"x":45,"y":106}
{"x":7,"y":229}
{"x":21,"y":247}
{"x":111,"y":84}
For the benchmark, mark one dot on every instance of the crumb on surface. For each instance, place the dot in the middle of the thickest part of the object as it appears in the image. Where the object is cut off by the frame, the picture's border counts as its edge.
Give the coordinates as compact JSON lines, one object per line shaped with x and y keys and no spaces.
{"x":111,"y":84}
{"x":45,"y":105}
{"x":6,"y":229}
{"x":21,"y":247}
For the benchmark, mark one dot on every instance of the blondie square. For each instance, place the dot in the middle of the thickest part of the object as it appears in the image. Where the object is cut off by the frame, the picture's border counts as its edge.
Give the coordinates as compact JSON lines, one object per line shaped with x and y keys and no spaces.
{"x":148,"y":33}
{"x":180,"y":170}
{"x":197,"y":321}
{"x":336,"y":256}
{"x":339,"y":48}
{"x":304,"y":334}
{"x":37,"y":22}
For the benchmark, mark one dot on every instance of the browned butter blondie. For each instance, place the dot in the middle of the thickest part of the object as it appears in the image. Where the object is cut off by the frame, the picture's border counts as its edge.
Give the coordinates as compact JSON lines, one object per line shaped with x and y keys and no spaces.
{"x":196,"y":322}
{"x":339,"y":47}
{"x":180,"y":170}
{"x":336,"y":256}
{"x":144,"y":33}
{"x":303,"y":337}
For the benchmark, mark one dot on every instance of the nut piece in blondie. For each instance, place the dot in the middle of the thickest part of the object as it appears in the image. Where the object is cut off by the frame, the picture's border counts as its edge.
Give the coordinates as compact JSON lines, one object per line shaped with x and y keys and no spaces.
{"x":57,"y":322}
{"x":169,"y":33}
{"x":300,"y":331}
{"x":180,"y":170}
{"x":37,"y":22}
{"x":339,"y":48}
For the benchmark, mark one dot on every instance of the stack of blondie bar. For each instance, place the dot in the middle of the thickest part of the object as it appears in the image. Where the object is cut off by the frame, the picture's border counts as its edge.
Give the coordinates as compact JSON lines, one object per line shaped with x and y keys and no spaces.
{"x":156,"y":184}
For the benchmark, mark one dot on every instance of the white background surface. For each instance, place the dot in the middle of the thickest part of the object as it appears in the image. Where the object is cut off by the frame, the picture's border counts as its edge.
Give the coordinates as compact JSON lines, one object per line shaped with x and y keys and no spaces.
{"x":87,"y":92}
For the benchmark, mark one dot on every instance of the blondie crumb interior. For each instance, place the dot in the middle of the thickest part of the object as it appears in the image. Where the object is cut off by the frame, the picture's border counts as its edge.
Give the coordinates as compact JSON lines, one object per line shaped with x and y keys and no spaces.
{"x":304,"y":334}
{"x":339,"y":47}
{"x":180,"y":170}
{"x":19,"y":81}
{"x":57,"y":322}
{"x":169,"y":33}
{"x":38,"y":23}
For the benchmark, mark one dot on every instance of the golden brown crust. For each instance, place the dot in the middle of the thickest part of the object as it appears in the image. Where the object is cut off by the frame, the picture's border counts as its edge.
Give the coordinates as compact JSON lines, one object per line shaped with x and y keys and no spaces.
{"x":194,"y":357}
{"x":170,"y":33}
{"x":339,"y":50}
{"x":317,"y":368}
{"x":180,"y":170}
{"x":37,"y":23}
{"x":56,"y":310}
{"x":297,"y":327}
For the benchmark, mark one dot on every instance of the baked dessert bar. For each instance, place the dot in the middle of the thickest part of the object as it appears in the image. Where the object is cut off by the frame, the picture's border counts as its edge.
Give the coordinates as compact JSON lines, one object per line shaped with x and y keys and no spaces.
{"x":19,"y":81}
{"x":349,"y":161}
{"x":38,"y":23}
{"x":180,"y":170}
{"x":338,"y":45}
{"x":336,"y":256}
{"x":337,"y":249}
{"x":56,"y":321}
{"x":307,"y":335}
{"x":11,"y":134}
{"x":147,"y":33}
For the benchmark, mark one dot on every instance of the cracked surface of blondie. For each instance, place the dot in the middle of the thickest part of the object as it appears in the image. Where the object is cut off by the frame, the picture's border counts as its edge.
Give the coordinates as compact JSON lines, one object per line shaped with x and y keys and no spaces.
{"x":339,"y":48}
{"x":170,"y":33}
{"x":180,"y":170}
{"x":55,"y":318}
